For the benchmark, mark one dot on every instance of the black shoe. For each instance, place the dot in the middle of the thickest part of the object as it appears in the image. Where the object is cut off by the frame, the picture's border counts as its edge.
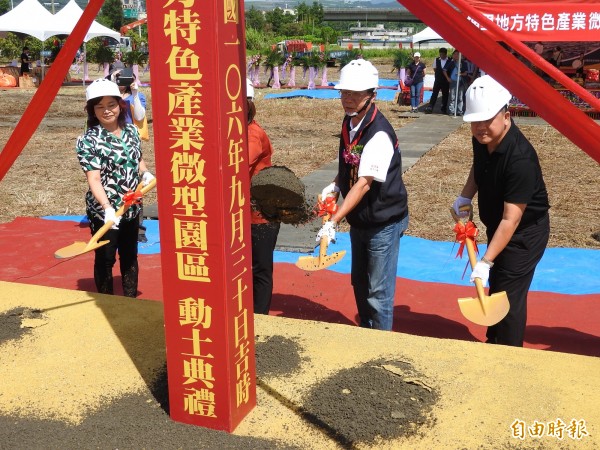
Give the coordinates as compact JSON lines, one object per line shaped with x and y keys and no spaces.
{"x":428,"y":110}
{"x":142,"y":238}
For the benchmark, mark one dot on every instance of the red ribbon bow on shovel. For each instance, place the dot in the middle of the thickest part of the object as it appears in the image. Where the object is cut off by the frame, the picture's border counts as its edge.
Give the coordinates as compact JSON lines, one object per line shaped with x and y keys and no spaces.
{"x":327,"y":206}
{"x":132,"y":198}
{"x":464,"y":232}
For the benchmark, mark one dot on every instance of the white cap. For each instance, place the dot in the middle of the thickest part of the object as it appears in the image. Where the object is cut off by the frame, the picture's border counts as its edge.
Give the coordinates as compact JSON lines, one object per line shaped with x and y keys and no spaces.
{"x":417,"y":54}
{"x":485,"y":97}
{"x":102,"y":88}
{"x":358,"y":75}
{"x":249,"y":89}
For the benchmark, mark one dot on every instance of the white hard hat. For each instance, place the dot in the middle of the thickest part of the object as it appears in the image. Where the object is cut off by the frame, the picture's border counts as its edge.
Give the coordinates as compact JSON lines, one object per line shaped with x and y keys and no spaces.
{"x":102,"y":88}
{"x":417,"y":54}
{"x":249,"y":89}
{"x":358,"y":75}
{"x":485,"y":97}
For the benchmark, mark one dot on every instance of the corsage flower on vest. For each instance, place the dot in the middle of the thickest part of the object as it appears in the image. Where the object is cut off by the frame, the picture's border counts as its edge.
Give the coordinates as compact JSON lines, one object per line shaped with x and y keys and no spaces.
{"x":352,"y":154}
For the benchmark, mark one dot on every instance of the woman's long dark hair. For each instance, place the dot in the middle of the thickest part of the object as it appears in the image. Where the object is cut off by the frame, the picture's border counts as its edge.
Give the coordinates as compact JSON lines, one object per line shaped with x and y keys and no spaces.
{"x":251,"y":110}
{"x":92,"y":120}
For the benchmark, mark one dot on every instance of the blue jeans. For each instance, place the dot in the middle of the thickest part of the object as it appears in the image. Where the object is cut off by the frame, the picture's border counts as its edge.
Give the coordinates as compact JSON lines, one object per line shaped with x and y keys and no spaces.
{"x":374,"y":263}
{"x":415,"y":94}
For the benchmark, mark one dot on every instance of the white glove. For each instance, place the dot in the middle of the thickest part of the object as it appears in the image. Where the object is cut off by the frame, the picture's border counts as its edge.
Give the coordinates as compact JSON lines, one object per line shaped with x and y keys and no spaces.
{"x":328,"y":229}
{"x":459,"y":203}
{"x":482,"y":271}
{"x":109,"y":214}
{"x":147,"y":177}
{"x":329,"y":189}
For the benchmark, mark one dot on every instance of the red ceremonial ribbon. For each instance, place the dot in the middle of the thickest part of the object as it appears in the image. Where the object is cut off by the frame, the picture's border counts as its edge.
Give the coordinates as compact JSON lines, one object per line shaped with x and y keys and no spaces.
{"x":132,"y":198}
{"x":464,"y":232}
{"x":327,"y":206}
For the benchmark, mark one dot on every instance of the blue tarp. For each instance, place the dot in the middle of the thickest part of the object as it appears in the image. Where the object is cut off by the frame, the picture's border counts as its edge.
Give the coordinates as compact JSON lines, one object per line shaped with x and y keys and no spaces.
{"x":387,"y":95}
{"x":562,"y":270}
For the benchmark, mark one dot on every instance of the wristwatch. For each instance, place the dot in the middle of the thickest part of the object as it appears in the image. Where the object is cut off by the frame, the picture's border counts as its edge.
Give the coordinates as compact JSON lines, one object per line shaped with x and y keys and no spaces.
{"x":487,"y":261}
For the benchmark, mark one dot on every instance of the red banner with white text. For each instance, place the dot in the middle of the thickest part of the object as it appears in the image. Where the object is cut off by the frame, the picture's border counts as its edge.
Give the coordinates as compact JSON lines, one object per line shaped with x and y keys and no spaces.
{"x":544,"y":21}
{"x":199,"y":111}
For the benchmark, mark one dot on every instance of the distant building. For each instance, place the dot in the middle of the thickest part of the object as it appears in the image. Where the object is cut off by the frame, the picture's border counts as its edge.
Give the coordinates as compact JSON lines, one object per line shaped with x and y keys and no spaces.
{"x":377,"y":37}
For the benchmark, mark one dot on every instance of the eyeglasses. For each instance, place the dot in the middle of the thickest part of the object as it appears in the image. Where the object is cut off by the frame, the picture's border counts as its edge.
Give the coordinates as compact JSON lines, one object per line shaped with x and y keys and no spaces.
{"x":354,"y":95}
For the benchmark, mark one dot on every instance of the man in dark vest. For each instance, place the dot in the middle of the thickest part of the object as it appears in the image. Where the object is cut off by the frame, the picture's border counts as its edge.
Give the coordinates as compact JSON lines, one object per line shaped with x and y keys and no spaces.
{"x":440,"y":82}
{"x":375,"y":202}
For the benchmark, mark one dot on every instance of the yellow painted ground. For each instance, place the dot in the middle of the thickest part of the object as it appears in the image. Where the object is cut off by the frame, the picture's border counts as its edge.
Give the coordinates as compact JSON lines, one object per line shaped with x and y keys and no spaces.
{"x":89,"y":349}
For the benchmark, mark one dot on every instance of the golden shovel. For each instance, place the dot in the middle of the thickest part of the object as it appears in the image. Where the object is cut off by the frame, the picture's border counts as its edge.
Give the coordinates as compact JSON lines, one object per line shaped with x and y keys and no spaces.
{"x":484,"y":309}
{"x":312,"y":263}
{"x":79,"y":247}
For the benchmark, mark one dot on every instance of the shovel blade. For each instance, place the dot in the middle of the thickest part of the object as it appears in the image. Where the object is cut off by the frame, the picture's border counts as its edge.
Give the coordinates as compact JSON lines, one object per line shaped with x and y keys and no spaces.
{"x":312,"y":263}
{"x":486,"y":311}
{"x":78,"y":248}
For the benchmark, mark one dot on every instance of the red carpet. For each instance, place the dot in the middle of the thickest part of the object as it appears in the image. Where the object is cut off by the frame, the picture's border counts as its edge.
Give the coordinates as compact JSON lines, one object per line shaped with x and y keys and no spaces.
{"x":558,"y":322}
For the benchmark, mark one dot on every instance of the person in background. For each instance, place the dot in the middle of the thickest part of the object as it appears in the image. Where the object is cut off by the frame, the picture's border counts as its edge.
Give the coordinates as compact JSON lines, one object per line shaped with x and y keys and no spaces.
{"x":24,"y":61}
{"x":110,"y":155}
{"x":579,"y":66}
{"x":417,"y":71}
{"x":513,"y":204}
{"x":264,"y":233}
{"x":440,"y":82}
{"x":135,"y":102}
{"x":556,"y":58}
{"x":117,"y":64}
{"x":375,"y":200}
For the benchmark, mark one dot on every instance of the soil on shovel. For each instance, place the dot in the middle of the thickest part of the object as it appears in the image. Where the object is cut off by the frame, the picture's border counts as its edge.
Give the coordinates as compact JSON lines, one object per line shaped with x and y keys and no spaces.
{"x":280,"y":196}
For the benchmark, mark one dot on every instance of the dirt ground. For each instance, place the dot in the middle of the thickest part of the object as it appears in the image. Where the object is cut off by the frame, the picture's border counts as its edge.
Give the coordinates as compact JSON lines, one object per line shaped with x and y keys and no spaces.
{"x":46,"y":178}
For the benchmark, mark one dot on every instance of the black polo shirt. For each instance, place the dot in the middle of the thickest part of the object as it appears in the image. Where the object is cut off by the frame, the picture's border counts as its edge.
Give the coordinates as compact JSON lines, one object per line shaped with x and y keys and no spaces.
{"x":511,"y":174}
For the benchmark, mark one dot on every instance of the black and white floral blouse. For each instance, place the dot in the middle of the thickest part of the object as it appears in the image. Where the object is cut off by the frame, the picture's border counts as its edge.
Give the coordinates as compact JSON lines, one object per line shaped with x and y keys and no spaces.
{"x":117,"y":159}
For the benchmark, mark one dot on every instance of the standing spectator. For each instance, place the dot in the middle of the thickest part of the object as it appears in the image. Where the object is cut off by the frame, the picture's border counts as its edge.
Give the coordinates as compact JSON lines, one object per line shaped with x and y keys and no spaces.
{"x":264,"y":233}
{"x":375,"y":200}
{"x":457,"y":78}
{"x":24,"y":61}
{"x":513,"y":204}
{"x":539,"y":48}
{"x":556,"y":58}
{"x":472,"y":71}
{"x":110,"y":155}
{"x":579,"y":66}
{"x":416,"y":70}
{"x":440,"y":82}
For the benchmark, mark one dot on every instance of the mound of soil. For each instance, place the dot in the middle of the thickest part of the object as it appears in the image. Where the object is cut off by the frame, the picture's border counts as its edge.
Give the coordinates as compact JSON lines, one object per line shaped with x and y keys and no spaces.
{"x":280,"y":196}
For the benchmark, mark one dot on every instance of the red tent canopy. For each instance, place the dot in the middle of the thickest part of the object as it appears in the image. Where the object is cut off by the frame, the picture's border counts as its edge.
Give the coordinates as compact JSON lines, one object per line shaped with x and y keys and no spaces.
{"x":562,"y":20}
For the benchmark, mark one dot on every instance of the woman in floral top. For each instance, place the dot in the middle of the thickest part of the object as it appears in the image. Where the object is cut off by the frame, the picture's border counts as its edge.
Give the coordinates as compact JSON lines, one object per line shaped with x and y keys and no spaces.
{"x":111,"y":157}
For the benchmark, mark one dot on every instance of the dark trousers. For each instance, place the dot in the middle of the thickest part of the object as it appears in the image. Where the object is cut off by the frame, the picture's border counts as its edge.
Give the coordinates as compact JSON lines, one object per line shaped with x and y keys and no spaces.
{"x":513,"y":272}
{"x":264,"y":239}
{"x":440,"y":85}
{"x":124,"y":240}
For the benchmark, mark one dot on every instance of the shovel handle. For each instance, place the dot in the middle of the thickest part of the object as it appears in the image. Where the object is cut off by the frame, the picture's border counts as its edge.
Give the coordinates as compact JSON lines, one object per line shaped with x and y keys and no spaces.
{"x":471,"y":253}
{"x":107,"y":226}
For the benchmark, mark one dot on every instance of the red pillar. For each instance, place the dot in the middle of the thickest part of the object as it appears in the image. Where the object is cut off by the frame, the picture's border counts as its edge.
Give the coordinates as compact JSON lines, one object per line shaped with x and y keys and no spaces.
{"x":200,"y":110}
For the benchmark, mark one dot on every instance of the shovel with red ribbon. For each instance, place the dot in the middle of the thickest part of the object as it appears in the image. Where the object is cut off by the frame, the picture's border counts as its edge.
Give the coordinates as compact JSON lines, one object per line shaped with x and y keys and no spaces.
{"x":79,"y":247}
{"x":484,"y":309}
{"x":325,"y":208}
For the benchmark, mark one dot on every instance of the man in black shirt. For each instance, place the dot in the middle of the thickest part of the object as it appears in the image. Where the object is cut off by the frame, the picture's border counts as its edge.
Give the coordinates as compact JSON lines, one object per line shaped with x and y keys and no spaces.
{"x":513,"y":204}
{"x":440,"y":82}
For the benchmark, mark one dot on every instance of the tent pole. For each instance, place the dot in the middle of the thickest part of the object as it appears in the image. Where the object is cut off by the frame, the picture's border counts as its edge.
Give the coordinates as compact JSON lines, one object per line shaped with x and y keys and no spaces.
{"x":457,"y":83}
{"x":84,"y":64}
